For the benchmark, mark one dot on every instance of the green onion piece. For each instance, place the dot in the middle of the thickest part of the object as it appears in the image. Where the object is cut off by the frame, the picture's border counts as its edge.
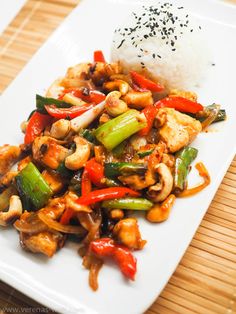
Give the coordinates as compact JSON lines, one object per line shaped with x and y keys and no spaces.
{"x":182,"y":165}
{"x":64,"y":172}
{"x":114,"y":169}
{"x":145,"y":153}
{"x":42,"y":101}
{"x":115,"y":131}
{"x":88,"y":135}
{"x":32,"y":187}
{"x":131,"y":203}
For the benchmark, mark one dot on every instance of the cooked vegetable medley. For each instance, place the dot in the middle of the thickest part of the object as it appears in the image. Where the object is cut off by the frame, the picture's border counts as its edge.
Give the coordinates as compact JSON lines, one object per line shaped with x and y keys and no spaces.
{"x":101,"y":145}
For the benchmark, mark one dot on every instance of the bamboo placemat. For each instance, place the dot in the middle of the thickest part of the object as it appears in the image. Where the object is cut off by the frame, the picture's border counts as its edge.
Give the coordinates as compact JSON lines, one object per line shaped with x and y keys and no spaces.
{"x":205,"y":280}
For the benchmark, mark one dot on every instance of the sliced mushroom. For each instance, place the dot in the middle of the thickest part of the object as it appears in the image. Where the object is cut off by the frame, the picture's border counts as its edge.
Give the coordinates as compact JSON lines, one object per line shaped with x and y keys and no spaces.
{"x":80,"y":156}
{"x":13,"y":213}
{"x":160,"y":191}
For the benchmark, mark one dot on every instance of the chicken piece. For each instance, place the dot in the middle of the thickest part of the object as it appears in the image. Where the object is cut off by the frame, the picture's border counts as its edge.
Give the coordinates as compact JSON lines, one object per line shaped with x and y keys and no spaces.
{"x":49,"y":152}
{"x":127,"y":232}
{"x":8,"y":156}
{"x":100,"y":72}
{"x":45,"y":242}
{"x":179,"y":130}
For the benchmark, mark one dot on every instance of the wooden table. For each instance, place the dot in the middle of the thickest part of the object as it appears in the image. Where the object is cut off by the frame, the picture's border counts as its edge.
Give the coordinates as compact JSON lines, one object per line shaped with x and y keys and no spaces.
{"x":205,"y":280}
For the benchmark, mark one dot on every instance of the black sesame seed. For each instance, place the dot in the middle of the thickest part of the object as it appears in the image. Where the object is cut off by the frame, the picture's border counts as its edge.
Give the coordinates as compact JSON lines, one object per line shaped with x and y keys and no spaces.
{"x":121,"y":43}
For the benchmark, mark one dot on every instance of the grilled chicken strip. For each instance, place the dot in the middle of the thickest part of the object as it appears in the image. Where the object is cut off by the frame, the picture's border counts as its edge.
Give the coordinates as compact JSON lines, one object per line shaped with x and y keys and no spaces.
{"x":179,"y":129}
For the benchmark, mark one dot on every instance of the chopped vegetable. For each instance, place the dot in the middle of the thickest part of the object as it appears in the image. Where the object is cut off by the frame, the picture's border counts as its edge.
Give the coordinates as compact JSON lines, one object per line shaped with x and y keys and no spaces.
{"x":63,"y":171}
{"x":211,"y":115}
{"x":41,"y":102}
{"x":144,"y":153}
{"x":85,"y":94}
{"x":114,"y":169}
{"x":86,"y":185}
{"x":95,"y":172}
{"x":86,"y":118}
{"x":115,"y":131}
{"x":32,"y":187}
{"x":180,"y":104}
{"x":98,"y":56}
{"x":128,"y":203}
{"x":150,"y":113}
{"x":37,"y":123}
{"x":106,"y":247}
{"x":88,"y":135}
{"x":70,"y":113}
{"x":106,"y":194}
{"x":145,"y":83}
{"x":202,"y":115}
{"x":182,"y":165}
{"x":206,"y":177}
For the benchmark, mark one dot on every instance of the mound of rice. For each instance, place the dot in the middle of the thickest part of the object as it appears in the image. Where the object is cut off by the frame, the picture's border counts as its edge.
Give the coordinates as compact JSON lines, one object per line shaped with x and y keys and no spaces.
{"x":164,"y":41}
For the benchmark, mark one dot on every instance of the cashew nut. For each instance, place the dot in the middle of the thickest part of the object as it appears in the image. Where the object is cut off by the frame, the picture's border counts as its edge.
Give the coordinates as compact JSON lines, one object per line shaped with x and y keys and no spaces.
{"x":120,"y":85}
{"x":116,"y":214}
{"x":60,"y":129}
{"x":160,"y":191}
{"x":138,"y":100}
{"x":160,"y":212}
{"x":114,"y":105}
{"x":80,"y":156}
{"x":14,"y":212}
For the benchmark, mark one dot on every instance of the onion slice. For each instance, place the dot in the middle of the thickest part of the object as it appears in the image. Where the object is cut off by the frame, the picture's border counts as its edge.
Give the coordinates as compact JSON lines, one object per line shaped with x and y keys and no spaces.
{"x":33,"y":225}
{"x":53,"y":224}
{"x":206,"y":177}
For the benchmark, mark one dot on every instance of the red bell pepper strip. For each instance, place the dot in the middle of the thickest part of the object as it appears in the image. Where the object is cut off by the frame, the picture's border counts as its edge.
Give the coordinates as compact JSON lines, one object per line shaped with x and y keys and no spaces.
{"x":145,"y":83}
{"x":179,"y":103}
{"x":98,"y":56}
{"x":95,"y":172}
{"x":150,"y":113}
{"x":71,"y":112}
{"x":86,"y":185}
{"x":90,"y":96}
{"x":106,"y":247}
{"x":105,"y":194}
{"x":66,"y":216}
{"x":37,"y":123}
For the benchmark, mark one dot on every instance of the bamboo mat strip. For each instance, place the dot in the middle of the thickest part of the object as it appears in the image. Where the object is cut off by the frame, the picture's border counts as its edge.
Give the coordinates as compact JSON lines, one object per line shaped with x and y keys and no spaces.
{"x":205,"y":280}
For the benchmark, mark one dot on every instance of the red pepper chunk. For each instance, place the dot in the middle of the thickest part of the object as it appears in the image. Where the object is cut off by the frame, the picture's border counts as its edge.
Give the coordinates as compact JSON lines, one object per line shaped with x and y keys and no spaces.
{"x":66,"y":216}
{"x":179,"y":103}
{"x":95,"y":172}
{"x":86,"y":185}
{"x":105,"y":194}
{"x":98,"y":56}
{"x":150,"y":113}
{"x":106,"y":247}
{"x":90,"y":96}
{"x":37,"y":123}
{"x":71,"y":112}
{"x":144,"y":83}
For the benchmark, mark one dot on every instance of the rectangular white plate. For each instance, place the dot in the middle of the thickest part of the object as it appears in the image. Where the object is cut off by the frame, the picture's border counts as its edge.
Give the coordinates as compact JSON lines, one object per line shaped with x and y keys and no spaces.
{"x":61,"y":282}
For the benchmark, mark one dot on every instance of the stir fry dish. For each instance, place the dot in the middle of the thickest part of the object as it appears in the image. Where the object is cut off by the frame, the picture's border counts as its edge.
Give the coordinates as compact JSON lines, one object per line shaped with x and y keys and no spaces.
{"x":102,"y":144}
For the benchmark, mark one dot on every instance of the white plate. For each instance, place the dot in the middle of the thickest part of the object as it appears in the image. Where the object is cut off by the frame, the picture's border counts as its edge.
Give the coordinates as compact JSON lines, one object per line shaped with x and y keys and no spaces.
{"x":8,"y":10}
{"x":61,"y":282}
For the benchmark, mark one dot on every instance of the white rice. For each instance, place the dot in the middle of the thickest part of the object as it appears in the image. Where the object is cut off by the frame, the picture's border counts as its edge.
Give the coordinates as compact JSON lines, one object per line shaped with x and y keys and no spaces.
{"x":165,"y":41}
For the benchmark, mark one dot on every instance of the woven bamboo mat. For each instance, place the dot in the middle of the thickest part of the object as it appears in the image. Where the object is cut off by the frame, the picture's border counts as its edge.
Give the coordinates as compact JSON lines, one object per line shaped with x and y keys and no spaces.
{"x":205,"y":280}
